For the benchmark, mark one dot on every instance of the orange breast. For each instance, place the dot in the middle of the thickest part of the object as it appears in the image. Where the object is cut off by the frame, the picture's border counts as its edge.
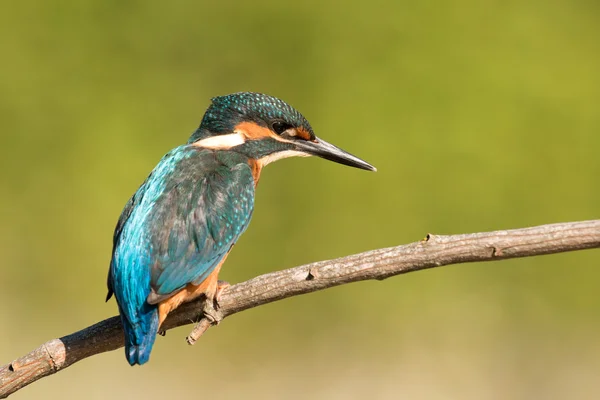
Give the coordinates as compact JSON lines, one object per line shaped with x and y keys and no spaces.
{"x":207,"y":287}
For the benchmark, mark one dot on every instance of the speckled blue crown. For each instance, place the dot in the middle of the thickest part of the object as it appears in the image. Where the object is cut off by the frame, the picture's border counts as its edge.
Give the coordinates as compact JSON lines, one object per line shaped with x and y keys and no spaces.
{"x":226,"y":112}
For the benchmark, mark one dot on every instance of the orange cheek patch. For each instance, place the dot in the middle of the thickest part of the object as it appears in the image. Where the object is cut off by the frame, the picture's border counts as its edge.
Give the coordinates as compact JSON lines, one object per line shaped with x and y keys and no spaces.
{"x":303,"y":134}
{"x":253,"y":131}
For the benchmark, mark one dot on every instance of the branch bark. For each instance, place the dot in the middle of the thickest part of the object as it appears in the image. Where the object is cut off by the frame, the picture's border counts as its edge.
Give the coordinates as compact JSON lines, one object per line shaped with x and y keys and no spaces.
{"x":433,"y":251}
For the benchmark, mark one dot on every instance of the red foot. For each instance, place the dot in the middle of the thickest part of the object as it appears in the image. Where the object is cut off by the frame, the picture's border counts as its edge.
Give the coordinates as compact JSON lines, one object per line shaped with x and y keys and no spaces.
{"x":221,"y":285}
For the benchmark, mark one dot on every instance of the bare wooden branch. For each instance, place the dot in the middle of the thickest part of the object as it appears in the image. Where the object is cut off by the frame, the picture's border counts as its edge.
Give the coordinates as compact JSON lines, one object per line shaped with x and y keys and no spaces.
{"x":433,"y":251}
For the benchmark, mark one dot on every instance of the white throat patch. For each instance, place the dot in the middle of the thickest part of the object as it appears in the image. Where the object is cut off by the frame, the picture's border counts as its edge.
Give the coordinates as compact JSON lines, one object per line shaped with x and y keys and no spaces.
{"x":222,"y":142}
{"x":280,"y":155}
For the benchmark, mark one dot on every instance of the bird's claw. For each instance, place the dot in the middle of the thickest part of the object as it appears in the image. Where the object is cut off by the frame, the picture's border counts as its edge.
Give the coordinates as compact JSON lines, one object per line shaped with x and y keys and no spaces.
{"x":212,"y":313}
{"x":221,"y":286}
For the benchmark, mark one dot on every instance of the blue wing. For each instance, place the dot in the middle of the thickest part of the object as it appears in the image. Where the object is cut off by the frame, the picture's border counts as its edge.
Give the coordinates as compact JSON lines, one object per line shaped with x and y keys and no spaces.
{"x":205,"y":207}
{"x":180,"y":224}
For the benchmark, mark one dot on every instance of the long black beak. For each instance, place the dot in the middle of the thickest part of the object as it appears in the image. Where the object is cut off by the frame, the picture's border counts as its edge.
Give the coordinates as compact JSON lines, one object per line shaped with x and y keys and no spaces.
{"x":321,"y":148}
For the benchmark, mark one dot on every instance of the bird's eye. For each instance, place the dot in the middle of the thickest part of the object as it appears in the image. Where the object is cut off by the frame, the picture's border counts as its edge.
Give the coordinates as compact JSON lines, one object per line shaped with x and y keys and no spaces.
{"x":279,"y":127}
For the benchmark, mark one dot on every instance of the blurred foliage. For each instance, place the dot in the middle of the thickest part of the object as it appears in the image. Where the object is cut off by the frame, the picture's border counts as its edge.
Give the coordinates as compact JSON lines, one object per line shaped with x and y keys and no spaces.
{"x":479,"y":115}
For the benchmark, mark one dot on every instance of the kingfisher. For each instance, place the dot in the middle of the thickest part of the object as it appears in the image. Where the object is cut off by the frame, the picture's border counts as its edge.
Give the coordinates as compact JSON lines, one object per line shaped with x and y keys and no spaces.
{"x":176,"y":231}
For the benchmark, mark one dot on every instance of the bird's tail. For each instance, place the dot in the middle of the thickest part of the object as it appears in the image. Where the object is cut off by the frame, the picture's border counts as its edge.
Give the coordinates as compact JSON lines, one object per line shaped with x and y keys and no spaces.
{"x":140,"y":336}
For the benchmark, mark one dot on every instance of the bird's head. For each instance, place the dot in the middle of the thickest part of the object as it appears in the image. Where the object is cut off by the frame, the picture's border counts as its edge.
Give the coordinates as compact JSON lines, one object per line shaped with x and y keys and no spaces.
{"x":266,"y":129}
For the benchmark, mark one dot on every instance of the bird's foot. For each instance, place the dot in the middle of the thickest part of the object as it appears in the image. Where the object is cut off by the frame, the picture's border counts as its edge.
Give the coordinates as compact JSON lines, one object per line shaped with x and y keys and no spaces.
{"x":221,"y":286}
{"x":211,"y":312}
{"x":211,"y":316}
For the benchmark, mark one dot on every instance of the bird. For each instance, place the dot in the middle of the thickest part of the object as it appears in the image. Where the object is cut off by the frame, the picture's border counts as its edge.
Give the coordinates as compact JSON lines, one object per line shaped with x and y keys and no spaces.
{"x":177,"y":229}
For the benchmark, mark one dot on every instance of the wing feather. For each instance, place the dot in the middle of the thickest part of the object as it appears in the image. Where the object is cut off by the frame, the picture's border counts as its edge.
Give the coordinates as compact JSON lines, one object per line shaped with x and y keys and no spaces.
{"x":196,"y":221}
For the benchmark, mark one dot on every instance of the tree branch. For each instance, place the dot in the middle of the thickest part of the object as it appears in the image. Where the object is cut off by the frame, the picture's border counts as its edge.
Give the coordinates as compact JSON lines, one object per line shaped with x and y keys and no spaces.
{"x":433,"y":251}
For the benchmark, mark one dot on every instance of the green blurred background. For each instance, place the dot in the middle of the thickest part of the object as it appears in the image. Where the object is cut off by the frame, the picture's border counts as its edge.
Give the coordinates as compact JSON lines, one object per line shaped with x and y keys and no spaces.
{"x":479,"y":115}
